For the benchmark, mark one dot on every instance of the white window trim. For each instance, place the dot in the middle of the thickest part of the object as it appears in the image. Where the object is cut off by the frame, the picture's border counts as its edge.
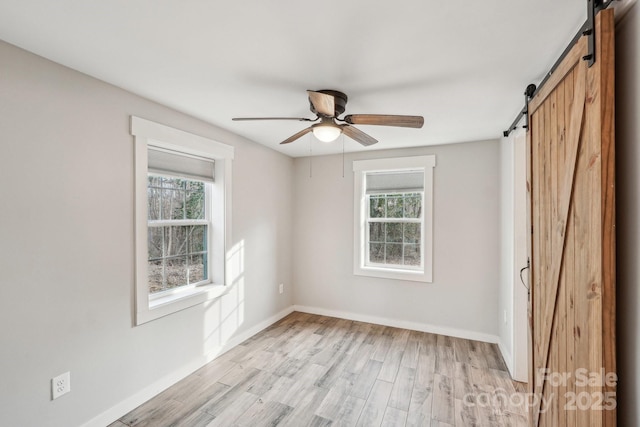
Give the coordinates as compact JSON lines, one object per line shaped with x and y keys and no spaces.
{"x":360,"y":169}
{"x":147,"y":133}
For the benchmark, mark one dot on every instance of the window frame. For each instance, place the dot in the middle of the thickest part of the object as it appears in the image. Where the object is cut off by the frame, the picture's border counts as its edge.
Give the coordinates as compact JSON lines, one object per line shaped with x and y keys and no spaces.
{"x":361,"y":266}
{"x":150,"y":134}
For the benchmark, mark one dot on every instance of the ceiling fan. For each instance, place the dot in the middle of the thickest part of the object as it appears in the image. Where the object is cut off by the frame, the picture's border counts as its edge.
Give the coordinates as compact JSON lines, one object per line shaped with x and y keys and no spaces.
{"x":327,"y":105}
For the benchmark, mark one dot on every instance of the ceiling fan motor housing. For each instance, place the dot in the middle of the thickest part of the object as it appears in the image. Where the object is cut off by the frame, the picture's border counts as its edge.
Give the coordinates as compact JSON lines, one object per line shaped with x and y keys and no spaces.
{"x":340,"y":101}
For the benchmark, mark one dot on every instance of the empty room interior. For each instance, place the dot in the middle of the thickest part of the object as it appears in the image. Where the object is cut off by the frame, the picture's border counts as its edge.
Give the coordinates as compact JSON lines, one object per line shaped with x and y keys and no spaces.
{"x":353,"y":213}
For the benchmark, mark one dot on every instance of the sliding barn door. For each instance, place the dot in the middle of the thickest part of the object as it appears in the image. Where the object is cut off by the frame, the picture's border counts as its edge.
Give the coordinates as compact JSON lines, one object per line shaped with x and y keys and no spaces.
{"x":571,"y":142}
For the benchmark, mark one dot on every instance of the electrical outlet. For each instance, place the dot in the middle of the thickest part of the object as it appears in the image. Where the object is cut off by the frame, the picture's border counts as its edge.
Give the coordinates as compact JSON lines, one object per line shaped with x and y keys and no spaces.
{"x":281,"y":288}
{"x":60,"y":385}
{"x":505,"y":317}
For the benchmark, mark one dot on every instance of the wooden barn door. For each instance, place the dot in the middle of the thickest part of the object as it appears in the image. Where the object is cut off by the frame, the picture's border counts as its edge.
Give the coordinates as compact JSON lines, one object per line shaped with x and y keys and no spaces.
{"x":571,"y":142}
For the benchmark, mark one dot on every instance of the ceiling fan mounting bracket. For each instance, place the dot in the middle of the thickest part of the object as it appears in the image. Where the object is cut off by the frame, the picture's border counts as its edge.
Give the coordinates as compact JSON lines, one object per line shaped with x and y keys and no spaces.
{"x":340,"y":100}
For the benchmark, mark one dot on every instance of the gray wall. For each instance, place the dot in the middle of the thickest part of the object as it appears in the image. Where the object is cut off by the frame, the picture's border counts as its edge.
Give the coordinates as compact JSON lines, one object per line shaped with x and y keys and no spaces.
{"x":628,"y":215}
{"x":464,"y":294}
{"x":66,"y":246}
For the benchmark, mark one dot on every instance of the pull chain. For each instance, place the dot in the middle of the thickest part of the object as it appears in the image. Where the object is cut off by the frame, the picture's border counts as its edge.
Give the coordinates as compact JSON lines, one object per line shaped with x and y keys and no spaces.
{"x":342,"y":136}
{"x":310,"y":159}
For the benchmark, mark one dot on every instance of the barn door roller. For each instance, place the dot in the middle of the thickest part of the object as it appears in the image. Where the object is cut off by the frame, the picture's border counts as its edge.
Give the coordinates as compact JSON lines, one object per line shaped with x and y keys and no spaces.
{"x":528,"y":94}
{"x":593,"y":7}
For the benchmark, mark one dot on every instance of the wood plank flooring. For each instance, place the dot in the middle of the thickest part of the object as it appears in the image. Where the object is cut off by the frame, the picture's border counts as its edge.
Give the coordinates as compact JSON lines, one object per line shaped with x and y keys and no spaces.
{"x":309,"y":370}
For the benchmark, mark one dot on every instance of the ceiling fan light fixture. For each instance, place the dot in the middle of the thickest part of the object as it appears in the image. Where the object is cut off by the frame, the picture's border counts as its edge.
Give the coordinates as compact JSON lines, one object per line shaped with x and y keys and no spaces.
{"x":327,"y":132}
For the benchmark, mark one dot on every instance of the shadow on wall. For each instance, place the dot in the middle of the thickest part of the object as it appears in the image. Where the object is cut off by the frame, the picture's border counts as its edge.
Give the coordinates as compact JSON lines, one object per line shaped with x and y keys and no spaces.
{"x":628,"y":216}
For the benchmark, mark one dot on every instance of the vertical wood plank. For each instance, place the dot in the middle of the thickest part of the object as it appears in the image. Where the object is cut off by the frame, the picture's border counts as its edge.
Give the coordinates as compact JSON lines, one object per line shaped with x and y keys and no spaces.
{"x":594,"y":274}
{"x":569,"y":268}
{"x":606,"y":50}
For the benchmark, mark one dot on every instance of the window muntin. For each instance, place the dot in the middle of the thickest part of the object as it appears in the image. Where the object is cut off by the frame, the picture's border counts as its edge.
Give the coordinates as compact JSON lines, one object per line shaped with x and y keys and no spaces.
{"x":178,"y":230}
{"x":394,"y":230}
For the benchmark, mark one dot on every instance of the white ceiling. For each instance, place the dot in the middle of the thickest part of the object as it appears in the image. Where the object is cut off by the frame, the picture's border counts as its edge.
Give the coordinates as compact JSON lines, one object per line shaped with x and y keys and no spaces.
{"x":463,"y":65}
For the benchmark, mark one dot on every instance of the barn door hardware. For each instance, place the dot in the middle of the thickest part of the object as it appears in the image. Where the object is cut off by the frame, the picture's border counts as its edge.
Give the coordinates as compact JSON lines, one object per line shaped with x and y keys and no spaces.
{"x":587,"y":30}
{"x":528,"y":94}
{"x":593,"y":7}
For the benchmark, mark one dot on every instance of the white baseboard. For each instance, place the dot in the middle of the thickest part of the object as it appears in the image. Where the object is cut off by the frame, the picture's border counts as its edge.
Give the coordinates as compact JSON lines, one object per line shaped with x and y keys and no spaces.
{"x":506,"y":355}
{"x":510,"y":361}
{"x":415,"y":326}
{"x":117,"y":411}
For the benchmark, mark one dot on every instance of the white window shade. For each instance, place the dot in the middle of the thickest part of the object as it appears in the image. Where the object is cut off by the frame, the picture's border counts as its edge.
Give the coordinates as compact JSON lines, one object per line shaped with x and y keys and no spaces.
{"x":180,"y":165}
{"x":394,"y":182}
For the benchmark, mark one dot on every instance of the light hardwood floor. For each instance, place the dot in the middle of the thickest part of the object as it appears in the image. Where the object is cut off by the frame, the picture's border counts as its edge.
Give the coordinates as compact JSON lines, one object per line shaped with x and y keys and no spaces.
{"x":309,"y":370}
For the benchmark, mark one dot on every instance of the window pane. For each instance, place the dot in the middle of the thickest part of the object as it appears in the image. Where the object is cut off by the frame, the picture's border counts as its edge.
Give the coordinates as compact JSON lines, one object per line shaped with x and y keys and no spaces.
{"x":394,"y":232}
{"x":175,"y":240}
{"x":177,"y":254}
{"x":412,"y":254}
{"x":376,"y":206}
{"x":155,"y":235}
{"x":153,"y":197}
{"x":376,"y":253}
{"x":412,"y":233}
{"x":394,"y":206}
{"x":376,"y":232}
{"x":197,"y":238}
{"x":173,"y":201}
{"x":155,"y":276}
{"x":176,"y":272}
{"x":168,"y":182}
{"x":197,"y":272}
{"x":194,"y":185}
{"x":194,"y":205}
{"x":154,"y":181}
{"x":393,"y":252}
{"x":166,"y":198}
{"x":412,"y":206}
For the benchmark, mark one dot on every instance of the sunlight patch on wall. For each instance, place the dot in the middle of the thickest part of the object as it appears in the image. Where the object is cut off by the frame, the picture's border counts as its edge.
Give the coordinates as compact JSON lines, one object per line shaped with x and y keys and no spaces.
{"x":224,"y":316}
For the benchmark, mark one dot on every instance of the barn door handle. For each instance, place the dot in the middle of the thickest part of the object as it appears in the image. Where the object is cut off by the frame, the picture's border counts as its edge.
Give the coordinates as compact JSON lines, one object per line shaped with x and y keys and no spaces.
{"x":522,"y":280}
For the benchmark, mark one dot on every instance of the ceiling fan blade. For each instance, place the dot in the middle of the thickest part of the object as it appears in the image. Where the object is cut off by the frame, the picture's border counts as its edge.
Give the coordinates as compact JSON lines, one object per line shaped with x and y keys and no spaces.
{"x":300,"y":119}
{"x":385,"y":120}
{"x":357,"y":135}
{"x":323,"y":103}
{"x":296,"y":136}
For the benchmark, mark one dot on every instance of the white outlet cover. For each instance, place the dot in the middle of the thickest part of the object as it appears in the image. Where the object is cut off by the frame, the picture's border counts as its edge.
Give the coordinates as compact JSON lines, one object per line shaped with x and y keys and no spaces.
{"x":60,"y":385}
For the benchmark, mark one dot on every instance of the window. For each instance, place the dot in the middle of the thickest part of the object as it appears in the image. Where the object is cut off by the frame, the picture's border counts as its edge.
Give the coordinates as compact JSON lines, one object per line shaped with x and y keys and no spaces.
{"x":393,"y":218}
{"x":177,"y":233}
{"x":183,"y":208}
{"x":394,"y":227}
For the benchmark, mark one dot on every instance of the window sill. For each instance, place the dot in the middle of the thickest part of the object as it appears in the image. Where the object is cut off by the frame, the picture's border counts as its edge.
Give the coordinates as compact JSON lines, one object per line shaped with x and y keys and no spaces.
{"x":393,"y":273}
{"x":160,"y":307}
